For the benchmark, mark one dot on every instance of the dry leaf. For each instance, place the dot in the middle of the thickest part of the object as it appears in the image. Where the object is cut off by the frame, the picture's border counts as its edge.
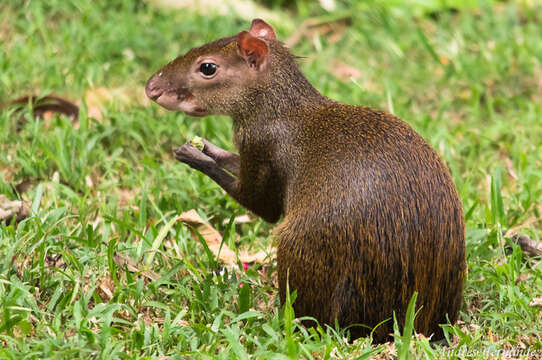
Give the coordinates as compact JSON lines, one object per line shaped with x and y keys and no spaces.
{"x":388,"y":352}
{"x":344,"y":71}
{"x":243,"y":8}
{"x":536,"y":302}
{"x":8,"y":172}
{"x":45,"y":107}
{"x":310,"y":28}
{"x":214,"y":239}
{"x":10,"y":209}
{"x":210,"y":235}
{"x":56,"y":261}
{"x":243,"y":219}
{"x":328,"y":5}
{"x":98,"y":98}
{"x":258,"y":257}
{"x":125,"y":195}
{"x":88,"y":181}
{"x":123,"y":261}
{"x":444,"y":60}
{"x":528,"y":246}
{"x":106,"y":288}
{"x":24,"y":185}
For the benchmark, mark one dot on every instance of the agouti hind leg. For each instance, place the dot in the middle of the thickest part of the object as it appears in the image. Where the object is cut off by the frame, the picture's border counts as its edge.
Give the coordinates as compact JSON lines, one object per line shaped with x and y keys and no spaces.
{"x":347,"y":306}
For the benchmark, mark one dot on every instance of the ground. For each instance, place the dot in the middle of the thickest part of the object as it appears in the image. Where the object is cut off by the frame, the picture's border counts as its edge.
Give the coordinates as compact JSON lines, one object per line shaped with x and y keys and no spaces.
{"x":105,"y":267}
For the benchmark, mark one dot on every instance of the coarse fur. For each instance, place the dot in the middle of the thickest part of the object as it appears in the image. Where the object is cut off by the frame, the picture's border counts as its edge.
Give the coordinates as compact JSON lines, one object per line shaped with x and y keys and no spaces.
{"x":371,"y":214}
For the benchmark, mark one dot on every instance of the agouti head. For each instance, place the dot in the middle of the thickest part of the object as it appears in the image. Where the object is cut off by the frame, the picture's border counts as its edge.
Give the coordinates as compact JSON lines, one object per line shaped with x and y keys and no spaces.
{"x":219,"y":77}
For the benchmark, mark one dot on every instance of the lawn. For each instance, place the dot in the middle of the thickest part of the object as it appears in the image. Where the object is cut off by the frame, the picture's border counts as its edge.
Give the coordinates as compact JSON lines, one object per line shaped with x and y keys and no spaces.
{"x":104,"y":265}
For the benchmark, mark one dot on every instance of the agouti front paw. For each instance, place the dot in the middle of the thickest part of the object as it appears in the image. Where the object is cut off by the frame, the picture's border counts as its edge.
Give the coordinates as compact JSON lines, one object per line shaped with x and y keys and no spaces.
{"x":193,"y":157}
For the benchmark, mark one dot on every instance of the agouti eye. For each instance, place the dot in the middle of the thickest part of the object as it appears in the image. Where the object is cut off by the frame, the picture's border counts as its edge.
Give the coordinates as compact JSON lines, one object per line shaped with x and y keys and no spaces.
{"x":207,"y":69}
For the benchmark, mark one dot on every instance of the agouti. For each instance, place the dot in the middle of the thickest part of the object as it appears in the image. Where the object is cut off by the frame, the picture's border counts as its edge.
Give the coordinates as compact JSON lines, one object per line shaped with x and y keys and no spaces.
{"x":371,"y":214}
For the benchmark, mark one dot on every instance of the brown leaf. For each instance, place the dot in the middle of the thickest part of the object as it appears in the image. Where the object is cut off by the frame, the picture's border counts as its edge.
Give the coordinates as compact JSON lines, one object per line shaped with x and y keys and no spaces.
{"x":258,"y":257}
{"x":444,"y":60}
{"x":98,"y":98}
{"x":214,"y":239}
{"x":24,"y":185}
{"x":8,"y":172}
{"x":509,"y":165}
{"x":388,"y":352}
{"x":536,"y":302}
{"x":246,"y":9}
{"x":56,"y":261}
{"x":124,"y":261}
{"x":45,"y":107}
{"x":243,"y":219}
{"x":332,"y":30}
{"x":210,"y":235}
{"x":125,"y":196}
{"x":344,"y":71}
{"x":106,"y":288}
{"x":528,"y":246}
{"x":10,"y":209}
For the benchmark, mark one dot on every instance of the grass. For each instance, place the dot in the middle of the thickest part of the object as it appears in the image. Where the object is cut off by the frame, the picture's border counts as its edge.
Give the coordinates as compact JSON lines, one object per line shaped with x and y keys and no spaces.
{"x":468,"y":80}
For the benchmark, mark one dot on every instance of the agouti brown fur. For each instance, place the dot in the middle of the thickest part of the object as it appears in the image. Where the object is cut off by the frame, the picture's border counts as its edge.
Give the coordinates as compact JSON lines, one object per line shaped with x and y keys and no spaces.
{"x":371,"y":214}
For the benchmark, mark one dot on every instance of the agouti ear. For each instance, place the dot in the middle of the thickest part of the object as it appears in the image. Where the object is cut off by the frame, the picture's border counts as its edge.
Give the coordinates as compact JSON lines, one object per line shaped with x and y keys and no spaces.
{"x":252,"y":49}
{"x":261,"y":29}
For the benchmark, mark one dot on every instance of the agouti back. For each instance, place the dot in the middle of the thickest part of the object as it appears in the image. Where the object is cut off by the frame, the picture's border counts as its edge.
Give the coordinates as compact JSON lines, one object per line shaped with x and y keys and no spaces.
{"x":371,"y":214}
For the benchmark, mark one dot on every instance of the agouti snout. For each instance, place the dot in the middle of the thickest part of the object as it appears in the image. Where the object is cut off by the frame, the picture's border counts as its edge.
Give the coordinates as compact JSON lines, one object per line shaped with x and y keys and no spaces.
{"x":370,"y":213}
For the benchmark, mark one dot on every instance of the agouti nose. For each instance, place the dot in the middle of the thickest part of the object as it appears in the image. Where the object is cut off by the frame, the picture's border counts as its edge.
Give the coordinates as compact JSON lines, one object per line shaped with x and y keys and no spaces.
{"x":153,"y":88}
